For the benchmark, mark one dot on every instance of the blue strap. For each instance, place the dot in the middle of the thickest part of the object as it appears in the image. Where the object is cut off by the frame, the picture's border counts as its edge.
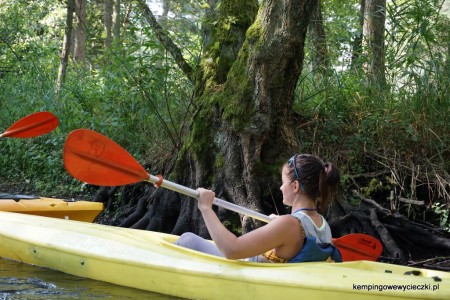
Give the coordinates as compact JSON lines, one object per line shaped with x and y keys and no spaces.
{"x":311,"y":251}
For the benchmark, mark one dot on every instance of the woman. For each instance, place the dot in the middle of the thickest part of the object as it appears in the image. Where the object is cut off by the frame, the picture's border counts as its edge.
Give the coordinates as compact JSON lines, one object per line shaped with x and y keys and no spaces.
{"x":304,"y":235}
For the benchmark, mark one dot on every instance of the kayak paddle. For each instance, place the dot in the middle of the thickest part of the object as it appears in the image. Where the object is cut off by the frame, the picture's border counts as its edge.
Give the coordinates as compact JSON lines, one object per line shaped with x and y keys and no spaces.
{"x":32,"y":125}
{"x":95,"y":159}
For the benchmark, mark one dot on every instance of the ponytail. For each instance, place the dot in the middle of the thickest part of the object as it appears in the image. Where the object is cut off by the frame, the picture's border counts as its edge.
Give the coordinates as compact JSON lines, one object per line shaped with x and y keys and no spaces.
{"x":328,"y":184}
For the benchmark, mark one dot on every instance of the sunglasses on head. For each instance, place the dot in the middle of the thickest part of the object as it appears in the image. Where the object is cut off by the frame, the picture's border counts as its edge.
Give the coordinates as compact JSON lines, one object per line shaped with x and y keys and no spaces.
{"x":292,"y":162}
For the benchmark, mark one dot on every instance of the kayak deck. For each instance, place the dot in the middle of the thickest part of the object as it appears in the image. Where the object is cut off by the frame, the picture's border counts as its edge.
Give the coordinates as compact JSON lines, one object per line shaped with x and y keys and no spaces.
{"x":85,"y":211}
{"x":150,"y":261}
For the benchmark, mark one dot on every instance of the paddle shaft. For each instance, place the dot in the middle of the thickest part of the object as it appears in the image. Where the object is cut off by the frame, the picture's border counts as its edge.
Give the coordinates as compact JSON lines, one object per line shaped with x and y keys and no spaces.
{"x":219,"y":202}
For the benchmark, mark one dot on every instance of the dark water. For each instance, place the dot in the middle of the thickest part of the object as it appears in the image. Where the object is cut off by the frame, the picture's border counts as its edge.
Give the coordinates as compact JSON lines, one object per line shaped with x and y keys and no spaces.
{"x":26,"y":282}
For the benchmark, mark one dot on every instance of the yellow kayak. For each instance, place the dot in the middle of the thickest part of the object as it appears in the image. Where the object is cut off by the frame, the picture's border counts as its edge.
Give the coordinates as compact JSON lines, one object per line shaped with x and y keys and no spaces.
{"x":150,"y":261}
{"x":85,"y":211}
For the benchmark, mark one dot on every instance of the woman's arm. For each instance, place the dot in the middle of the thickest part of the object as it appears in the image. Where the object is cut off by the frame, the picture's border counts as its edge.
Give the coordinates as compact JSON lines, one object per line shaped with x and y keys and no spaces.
{"x":278,"y":233}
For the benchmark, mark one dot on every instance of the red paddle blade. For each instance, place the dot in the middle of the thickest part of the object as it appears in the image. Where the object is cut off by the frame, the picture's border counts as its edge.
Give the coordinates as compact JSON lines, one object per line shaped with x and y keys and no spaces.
{"x":358,"y":246}
{"x":95,"y":159}
{"x":32,"y":125}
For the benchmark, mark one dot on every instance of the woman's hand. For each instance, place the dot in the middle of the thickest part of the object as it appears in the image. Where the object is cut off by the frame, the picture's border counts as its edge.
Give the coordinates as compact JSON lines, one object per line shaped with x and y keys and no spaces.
{"x":205,"y":199}
{"x":273,"y":216}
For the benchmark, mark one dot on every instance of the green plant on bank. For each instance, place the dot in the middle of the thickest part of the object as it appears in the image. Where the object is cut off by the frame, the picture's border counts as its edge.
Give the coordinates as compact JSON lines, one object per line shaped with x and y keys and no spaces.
{"x":442,"y":211}
{"x":367,"y":129}
{"x":375,"y":186}
{"x":136,"y":99}
{"x":105,"y":102}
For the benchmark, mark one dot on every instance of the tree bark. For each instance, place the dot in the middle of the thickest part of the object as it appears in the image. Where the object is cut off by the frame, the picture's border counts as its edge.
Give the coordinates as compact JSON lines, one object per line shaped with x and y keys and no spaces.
{"x":319,"y":54}
{"x":248,"y":109}
{"x":79,"y":50}
{"x":373,"y":40}
{"x":165,"y":40}
{"x":116,"y":21}
{"x":107,"y":22}
{"x":66,"y":46}
{"x":358,"y":37}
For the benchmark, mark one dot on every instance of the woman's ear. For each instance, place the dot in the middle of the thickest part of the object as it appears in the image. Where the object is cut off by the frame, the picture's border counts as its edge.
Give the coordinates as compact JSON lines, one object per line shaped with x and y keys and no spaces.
{"x":296,"y":186}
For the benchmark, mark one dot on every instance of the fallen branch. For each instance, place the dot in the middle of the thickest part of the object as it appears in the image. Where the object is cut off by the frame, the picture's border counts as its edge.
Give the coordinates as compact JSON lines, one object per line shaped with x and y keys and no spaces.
{"x":426,"y":261}
{"x":413,"y":202}
{"x":390,"y":245}
{"x":371,"y":202}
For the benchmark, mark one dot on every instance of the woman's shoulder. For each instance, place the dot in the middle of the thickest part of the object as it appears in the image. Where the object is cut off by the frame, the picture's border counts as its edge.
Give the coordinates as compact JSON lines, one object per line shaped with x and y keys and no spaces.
{"x":317,"y":221}
{"x":285,"y":220}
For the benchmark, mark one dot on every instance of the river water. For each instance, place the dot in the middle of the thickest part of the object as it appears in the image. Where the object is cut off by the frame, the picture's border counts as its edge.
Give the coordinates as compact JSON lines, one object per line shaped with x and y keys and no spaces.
{"x":26,"y":282}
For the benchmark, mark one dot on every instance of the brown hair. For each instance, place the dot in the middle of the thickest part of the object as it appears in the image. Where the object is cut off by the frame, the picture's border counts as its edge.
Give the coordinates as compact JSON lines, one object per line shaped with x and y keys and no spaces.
{"x":319,"y":180}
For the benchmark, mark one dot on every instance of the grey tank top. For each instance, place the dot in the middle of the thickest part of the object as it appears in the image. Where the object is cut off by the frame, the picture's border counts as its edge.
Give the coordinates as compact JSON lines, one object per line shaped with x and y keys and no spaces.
{"x":322,"y":233}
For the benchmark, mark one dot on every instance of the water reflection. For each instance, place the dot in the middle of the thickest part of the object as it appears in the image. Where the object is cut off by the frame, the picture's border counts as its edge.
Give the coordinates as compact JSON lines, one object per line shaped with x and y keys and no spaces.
{"x":22,"y":281}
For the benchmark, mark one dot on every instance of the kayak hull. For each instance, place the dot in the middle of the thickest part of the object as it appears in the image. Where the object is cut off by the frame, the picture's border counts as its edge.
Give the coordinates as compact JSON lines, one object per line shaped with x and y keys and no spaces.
{"x":150,"y":261}
{"x":86,"y":211}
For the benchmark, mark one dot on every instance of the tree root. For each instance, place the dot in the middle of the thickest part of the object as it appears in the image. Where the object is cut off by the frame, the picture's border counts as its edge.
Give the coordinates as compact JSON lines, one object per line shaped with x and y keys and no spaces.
{"x":403,"y":240}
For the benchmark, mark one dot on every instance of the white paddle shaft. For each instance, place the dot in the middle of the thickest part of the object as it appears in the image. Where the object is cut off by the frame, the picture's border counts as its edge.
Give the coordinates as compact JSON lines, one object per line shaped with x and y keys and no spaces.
{"x":219,"y":202}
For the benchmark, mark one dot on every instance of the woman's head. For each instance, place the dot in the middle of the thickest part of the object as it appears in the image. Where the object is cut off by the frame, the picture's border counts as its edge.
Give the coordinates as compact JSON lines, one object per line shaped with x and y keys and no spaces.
{"x":318,"y":180}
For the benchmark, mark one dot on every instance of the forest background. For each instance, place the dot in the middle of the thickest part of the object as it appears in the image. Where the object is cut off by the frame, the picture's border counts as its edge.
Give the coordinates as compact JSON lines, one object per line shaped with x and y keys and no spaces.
{"x":146,"y":74}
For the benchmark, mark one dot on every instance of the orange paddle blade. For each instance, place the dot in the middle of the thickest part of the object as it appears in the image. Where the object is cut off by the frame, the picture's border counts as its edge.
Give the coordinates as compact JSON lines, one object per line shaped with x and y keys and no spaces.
{"x":95,"y":159}
{"x":32,"y":125}
{"x":358,"y":246}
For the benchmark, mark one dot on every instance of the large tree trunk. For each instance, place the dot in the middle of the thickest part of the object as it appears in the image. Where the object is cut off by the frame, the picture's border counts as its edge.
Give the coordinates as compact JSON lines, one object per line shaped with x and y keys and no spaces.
{"x":244,"y":127}
{"x":249,"y":107}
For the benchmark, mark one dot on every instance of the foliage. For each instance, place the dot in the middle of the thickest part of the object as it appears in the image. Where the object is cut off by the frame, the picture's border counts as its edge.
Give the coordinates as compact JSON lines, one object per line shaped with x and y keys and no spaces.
{"x":134,"y":94}
{"x":443,"y":212}
{"x":401,"y":130}
{"x":131,"y":93}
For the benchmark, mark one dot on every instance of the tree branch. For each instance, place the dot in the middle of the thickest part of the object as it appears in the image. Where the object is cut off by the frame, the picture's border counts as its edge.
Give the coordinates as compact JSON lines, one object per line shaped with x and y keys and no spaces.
{"x":166,"y":41}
